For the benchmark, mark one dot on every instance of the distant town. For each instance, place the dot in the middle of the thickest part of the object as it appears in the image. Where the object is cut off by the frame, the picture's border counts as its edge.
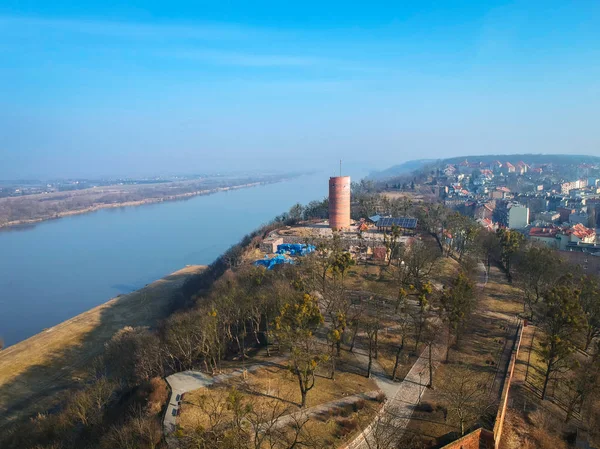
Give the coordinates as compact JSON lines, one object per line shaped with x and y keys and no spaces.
{"x":551,"y":202}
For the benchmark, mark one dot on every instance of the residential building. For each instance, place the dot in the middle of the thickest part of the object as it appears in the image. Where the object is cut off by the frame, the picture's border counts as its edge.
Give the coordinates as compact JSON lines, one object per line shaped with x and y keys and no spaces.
{"x":548,"y":217}
{"x":588,"y":261}
{"x":521,"y":168}
{"x":488,"y":224}
{"x":500,"y":193}
{"x":485,"y":211}
{"x":546,"y":236}
{"x":564,"y":213}
{"x":566,"y":187}
{"x":579,"y":217}
{"x":576,"y":235}
{"x":518,"y":216}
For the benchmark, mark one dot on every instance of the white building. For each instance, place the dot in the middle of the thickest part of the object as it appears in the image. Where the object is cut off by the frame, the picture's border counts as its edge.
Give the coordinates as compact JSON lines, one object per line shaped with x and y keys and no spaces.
{"x":518,"y":216}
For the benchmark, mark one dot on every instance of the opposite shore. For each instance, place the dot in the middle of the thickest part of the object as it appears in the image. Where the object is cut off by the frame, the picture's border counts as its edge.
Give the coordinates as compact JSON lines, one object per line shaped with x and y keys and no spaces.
{"x":147,"y":201}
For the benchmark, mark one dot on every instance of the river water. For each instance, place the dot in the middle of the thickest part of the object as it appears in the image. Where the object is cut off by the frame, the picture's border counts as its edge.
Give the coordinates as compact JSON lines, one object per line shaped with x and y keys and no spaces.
{"x":57,"y":269}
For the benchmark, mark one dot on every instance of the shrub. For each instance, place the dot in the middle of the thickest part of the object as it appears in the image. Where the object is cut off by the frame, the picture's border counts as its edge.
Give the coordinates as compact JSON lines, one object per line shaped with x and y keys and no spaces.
{"x":345,"y":426}
{"x":359,"y":405}
{"x":424,"y":407}
{"x":380,"y":397}
{"x":158,"y":396}
{"x":346,"y":410}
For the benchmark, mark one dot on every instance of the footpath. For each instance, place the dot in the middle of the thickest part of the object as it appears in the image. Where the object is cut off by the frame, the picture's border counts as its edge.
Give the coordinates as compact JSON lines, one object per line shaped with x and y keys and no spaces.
{"x":402,"y":398}
{"x":191,"y":380}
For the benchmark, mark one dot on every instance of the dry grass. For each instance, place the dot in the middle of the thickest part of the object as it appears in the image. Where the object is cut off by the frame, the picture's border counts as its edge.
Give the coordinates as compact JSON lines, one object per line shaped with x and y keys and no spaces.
{"x":500,"y":296}
{"x":275,"y":382}
{"x":415,"y":197}
{"x":482,"y":350}
{"x":275,"y":386}
{"x":536,"y":429}
{"x":388,"y":344}
{"x":34,"y":372}
{"x":446,"y":270}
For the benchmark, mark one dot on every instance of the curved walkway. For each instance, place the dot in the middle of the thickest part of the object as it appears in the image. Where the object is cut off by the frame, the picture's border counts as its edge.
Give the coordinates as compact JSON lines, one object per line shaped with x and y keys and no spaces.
{"x":191,"y":380}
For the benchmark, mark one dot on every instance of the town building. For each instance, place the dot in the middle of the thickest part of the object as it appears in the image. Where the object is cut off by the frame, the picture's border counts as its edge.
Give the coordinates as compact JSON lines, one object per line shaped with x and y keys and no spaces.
{"x":545,"y":236}
{"x":548,"y":217}
{"x":518,"y":216}
{"x":580,"y":217}
{"x":566,"y":187}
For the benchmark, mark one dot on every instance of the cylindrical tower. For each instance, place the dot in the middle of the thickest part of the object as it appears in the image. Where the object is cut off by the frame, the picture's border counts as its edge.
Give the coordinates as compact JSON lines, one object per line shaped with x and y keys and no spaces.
{"x":339,"y":202}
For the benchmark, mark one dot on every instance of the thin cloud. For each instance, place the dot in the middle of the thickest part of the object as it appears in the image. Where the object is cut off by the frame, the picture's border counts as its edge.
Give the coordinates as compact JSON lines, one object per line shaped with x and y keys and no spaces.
{"x":130,"y":30}
{"x":246,"y":59}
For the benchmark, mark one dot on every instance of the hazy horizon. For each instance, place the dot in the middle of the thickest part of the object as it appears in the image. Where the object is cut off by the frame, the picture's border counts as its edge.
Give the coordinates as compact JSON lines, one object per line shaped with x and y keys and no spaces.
{"x":92,"y":88}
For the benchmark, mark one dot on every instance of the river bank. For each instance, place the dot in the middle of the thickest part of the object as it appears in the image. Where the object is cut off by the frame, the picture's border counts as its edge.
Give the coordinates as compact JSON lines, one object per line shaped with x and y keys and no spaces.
{"x":97,"y":207}
{"x":37,"y":372}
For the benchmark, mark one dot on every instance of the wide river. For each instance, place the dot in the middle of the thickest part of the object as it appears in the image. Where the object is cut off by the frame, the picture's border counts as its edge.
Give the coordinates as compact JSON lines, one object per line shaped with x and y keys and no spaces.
{"x":57,"y":269}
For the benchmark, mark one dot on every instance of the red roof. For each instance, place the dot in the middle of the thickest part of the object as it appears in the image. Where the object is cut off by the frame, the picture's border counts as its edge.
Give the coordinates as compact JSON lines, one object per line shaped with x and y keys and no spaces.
{"x":580,"y":231}
{"x":509,"y":165}
{"x":544,"y":232}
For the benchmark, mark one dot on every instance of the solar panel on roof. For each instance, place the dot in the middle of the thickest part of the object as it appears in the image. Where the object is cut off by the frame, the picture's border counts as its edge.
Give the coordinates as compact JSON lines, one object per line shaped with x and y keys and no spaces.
{"x":403,"y":222}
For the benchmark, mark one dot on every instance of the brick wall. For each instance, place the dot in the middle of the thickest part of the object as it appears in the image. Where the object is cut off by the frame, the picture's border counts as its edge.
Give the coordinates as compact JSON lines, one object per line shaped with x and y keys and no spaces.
{"x":498,"y":426}
{"x":477,"y":439}
{"x":482,"y":438}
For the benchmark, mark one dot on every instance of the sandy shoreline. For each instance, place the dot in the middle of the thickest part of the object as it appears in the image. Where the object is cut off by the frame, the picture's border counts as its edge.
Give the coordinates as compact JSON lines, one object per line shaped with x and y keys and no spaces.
{"x":95,"y":208}
{"x":35,"y":372}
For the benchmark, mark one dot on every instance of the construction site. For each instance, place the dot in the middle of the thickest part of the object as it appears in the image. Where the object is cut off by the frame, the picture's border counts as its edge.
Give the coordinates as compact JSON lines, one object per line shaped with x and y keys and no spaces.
{"x":364,"y":238}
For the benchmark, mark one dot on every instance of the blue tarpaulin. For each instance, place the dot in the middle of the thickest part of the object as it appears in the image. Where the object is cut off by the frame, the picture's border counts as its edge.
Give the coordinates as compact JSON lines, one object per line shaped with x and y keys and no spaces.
{"x":295,"y":249}
{"x":269,"y":264}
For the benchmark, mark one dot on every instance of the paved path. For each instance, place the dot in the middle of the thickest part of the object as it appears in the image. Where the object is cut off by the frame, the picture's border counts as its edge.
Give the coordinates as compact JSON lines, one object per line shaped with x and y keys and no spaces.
{"x":323,"y":409}
{"x":402,"y":399}
{"x":191,"y":380}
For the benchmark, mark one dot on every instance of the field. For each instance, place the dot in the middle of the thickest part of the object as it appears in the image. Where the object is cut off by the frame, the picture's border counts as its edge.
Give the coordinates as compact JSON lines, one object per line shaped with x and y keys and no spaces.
{"x":37,"y":372}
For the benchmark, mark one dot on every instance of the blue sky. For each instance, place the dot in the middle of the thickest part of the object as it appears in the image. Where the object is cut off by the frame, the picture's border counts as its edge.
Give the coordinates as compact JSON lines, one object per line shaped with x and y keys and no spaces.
{"x":90,"y":88}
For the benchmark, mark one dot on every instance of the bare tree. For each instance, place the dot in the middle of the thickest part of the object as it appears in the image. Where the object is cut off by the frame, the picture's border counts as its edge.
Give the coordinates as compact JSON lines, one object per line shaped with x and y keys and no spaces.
{"x":140,"y":431}
{"x":133,"y":355}
{"x":420,"y":261}
{"x":383,"y":432}
{"x":404,"y":326}
{"x":294,"y":327}
{"x":431,"y":335}
{"x":464,"y":394}
{"x":88,"y":405}
{"x":582,"y":386}
{"x":372,"y":326}
{"x":590,"y":304}
{"x":537,"y":269}
{"x":561,"y":321}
